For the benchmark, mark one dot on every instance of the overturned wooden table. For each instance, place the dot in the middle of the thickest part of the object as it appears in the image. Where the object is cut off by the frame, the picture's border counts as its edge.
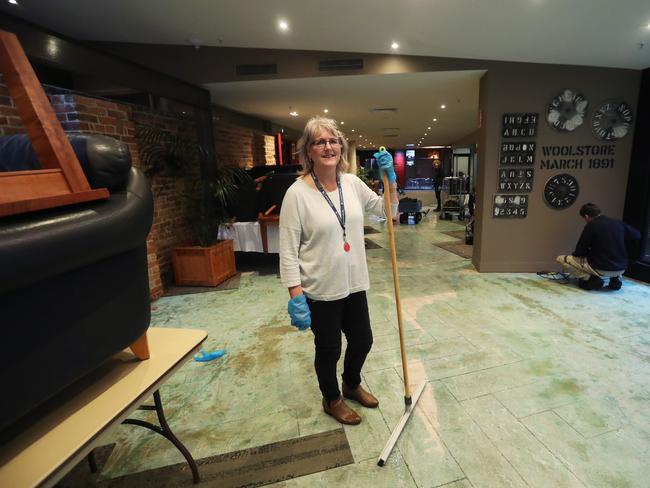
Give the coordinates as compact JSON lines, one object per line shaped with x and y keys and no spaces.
{"x":51,"y":446}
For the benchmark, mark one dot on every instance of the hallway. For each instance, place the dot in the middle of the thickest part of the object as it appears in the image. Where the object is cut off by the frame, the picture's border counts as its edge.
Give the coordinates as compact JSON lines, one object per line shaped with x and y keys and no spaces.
{"x":529,"y":382}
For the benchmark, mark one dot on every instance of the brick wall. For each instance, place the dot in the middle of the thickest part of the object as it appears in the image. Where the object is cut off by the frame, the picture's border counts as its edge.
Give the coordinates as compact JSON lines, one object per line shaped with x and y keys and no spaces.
{"x":241,"y":146}
{"x":269,"y":149}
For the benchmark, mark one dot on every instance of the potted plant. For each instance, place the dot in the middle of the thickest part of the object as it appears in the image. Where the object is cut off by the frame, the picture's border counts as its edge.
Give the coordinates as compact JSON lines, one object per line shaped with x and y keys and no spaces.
{"x":165,"y":153}
{"x":211,"y":261}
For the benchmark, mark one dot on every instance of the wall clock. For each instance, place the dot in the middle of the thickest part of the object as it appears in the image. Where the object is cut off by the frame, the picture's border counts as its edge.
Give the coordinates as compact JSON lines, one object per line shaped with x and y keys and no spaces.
{"x":561,"y":191}
{"x":612,"y":120}
{"x":567,"y":111}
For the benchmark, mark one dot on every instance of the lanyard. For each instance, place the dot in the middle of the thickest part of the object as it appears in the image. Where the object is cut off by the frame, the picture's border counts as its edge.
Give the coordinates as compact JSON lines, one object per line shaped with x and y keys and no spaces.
{"x":341,"y":217}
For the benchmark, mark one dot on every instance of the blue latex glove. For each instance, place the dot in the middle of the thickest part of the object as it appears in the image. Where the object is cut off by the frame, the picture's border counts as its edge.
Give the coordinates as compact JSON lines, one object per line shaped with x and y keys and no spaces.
{"x":299,"y":312}
{"x":203,"y":357}
{"x":385,"y":161}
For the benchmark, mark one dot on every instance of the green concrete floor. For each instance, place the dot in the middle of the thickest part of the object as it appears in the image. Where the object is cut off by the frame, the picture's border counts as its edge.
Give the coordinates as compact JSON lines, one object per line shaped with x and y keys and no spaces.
{"x":529,"y":382}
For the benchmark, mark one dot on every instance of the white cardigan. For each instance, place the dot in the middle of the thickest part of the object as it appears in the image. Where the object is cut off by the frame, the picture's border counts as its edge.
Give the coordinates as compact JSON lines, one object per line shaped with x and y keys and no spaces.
{"x":311,"y":239}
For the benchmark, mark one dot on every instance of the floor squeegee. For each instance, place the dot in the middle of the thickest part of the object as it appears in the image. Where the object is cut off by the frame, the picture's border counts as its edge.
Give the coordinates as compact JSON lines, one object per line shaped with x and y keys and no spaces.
{"x":409,"y":401}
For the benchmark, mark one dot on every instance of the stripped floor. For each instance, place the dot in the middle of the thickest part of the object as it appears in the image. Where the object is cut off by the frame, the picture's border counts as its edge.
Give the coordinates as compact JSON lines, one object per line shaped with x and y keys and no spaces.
{"x":529,"y":383}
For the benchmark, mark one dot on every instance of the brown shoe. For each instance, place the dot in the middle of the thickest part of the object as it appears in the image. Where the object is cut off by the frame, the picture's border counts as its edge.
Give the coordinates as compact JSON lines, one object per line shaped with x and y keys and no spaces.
{"x":341,"y":412}
{"x":360,"y":395}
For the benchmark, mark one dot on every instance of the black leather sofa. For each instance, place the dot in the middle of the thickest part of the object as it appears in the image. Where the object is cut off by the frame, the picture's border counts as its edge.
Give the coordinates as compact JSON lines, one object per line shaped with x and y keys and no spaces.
{"x":73,"y":280}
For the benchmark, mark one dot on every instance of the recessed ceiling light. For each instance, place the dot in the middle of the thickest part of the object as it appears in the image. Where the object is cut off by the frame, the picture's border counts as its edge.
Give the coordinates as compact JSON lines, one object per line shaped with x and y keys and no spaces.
{"x":325,"y":110}
{"x":443,"y":106}
{"x":428,"y":128}
{"x":342,"y":123}
{"x":283,"y":25}
{"x":293,"y":114}
{"x":352,"y":130}
{"x":13,"y":2}
{"x":435,"y":120}
{"x":394,"y":45}
{"x":426,"y":133}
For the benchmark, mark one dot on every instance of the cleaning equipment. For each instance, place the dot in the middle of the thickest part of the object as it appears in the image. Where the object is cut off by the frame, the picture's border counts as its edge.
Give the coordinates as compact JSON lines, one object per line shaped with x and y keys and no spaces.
{"x":410,"y":211}
{"x":409,"y":402}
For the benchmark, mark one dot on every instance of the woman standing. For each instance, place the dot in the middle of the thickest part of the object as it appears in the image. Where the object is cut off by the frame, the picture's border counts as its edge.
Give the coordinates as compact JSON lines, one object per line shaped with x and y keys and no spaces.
{"x":323,"y":260}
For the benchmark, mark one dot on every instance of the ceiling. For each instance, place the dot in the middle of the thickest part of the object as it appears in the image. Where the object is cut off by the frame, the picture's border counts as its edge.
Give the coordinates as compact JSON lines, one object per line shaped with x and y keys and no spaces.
{"x":580,"y":32}
{"x":353,"y":100}
{"x":583,"y":32}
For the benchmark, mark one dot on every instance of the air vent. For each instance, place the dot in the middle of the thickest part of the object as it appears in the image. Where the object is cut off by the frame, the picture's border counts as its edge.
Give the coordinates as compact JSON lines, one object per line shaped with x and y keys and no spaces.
{"x":340,"y":64}
{"x":256,"y":69}
{"x":383,"y":110}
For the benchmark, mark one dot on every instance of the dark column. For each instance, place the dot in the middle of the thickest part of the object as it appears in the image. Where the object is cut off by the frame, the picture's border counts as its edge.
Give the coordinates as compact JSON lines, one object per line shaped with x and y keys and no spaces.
{"x":637,"y":198}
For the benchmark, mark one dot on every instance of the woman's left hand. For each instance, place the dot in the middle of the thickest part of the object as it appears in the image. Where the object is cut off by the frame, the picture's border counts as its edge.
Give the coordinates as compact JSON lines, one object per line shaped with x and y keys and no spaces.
{"x":299,"y":312}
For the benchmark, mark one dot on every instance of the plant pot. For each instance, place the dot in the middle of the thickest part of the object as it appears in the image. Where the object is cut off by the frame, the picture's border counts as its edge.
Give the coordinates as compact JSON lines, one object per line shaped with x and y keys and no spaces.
{"x":204,"y":266}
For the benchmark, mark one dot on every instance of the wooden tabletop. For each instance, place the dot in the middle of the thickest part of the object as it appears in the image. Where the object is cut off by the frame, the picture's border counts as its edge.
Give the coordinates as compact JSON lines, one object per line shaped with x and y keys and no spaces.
{"x":57,"y":441}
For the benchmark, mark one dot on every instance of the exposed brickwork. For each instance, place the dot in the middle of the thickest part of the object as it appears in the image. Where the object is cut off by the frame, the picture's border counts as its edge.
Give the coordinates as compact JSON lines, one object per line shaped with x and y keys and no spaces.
{"x":241,"y":146}
{"x":10,"y":122}
{"x":269,"y":149}
{"x":156,"y":288}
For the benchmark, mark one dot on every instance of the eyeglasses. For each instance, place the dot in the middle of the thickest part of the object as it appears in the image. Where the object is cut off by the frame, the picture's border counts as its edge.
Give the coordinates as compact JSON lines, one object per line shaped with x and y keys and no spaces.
{"x":322,"y":143}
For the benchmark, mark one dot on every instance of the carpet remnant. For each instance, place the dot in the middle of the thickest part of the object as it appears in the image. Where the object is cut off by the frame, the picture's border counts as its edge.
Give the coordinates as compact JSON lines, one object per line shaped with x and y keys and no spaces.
{"x":371,"y":244}
{"x":251,"y":467}
{"x":458,"y":234}
{"x":458,"y":248}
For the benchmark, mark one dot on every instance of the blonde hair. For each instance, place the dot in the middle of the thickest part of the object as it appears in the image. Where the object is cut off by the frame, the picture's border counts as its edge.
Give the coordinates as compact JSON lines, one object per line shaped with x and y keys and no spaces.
{"x":312,"y":126}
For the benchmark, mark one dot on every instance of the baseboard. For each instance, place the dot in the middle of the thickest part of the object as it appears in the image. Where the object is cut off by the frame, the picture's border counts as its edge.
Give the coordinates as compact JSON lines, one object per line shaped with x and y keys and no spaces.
{"x":518,"y":267}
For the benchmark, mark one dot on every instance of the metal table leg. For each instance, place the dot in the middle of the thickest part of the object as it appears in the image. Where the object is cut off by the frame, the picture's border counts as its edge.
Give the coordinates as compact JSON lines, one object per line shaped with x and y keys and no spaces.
{"x":92,"y":463}
{"x":166,"y":432}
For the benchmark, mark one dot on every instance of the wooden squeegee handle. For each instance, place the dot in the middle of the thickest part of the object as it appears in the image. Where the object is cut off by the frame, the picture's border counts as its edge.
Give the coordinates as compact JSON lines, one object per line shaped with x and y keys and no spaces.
{"x":398,"y":304}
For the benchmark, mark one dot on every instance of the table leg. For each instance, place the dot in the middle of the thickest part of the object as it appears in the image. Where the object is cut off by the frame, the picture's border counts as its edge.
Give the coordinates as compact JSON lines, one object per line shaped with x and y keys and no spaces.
{"x":166,"y":432}
{"x":265,"y":242}
{"x":92,"y":463}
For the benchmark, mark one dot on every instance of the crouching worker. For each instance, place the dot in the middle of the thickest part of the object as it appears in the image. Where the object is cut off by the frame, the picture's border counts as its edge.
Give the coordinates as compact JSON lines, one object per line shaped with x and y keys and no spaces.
{"x":323,"y":261}
{"x":601,"y":251}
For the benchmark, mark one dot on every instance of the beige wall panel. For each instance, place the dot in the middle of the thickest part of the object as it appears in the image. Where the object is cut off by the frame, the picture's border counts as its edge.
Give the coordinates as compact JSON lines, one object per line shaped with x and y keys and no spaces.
{"x":531,"y":244}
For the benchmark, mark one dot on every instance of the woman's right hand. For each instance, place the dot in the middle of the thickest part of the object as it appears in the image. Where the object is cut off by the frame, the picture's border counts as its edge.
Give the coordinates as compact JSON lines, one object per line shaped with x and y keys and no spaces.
{"x":385,"y":162}
{"x":299,"y":312}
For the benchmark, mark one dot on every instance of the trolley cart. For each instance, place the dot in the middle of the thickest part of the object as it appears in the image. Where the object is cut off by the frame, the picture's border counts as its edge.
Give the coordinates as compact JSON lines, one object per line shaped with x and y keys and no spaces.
{"x":454,"y":198}
{"x":410,"y":211}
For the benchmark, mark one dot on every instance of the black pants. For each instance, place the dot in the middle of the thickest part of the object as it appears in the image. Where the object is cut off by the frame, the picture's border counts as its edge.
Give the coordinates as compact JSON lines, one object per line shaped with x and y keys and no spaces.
{"x":328,"y":319}
{"x":436,"y":189}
